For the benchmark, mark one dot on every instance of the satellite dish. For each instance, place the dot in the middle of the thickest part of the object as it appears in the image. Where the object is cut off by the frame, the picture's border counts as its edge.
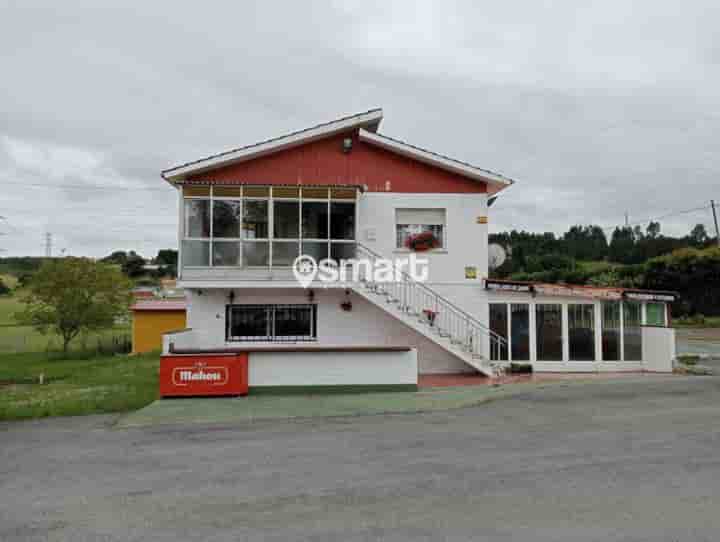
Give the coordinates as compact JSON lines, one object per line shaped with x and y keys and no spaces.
{"x":496,"y":256}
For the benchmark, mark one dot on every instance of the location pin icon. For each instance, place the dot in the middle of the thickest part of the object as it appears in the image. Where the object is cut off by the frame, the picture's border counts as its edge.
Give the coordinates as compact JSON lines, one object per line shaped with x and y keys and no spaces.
{"x":305,"y":268}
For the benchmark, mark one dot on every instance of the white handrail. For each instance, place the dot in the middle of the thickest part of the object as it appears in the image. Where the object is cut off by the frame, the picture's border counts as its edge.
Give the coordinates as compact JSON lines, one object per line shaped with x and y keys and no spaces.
{"x":450,"y":321}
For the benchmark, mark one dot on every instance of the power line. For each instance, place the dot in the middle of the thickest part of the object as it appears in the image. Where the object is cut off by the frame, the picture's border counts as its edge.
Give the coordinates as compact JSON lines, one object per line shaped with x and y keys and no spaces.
{"x":658,"y":218}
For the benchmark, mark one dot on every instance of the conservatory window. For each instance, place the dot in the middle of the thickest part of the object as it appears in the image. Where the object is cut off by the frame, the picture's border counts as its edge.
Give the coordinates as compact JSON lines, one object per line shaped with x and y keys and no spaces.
{"x":581,"y":331}
{"x":260,"y":226}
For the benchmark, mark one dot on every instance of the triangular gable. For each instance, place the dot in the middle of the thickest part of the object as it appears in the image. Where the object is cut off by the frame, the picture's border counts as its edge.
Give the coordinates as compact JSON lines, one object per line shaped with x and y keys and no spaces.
{"x":318,"y":156}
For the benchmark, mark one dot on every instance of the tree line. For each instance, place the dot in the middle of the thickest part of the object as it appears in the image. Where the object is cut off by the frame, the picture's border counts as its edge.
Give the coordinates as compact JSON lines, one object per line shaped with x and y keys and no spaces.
{"x":531,"y":252}
{"x":631,"y":258}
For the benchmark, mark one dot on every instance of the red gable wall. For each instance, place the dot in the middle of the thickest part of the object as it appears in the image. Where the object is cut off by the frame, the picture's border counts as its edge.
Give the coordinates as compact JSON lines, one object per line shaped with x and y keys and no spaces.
{"x":324,"y":163}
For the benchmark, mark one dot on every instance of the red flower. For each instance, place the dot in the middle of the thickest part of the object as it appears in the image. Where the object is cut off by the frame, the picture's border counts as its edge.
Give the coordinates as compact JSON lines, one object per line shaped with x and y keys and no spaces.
{"x":421,"y":242}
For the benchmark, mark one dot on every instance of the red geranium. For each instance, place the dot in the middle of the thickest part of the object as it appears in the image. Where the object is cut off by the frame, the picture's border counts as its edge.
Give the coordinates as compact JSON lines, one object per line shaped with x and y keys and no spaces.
{"x":421,"y":242}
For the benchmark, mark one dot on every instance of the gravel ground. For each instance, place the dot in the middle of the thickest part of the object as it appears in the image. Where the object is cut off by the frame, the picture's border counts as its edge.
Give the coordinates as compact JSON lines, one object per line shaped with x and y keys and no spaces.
{"x":611,"y":460}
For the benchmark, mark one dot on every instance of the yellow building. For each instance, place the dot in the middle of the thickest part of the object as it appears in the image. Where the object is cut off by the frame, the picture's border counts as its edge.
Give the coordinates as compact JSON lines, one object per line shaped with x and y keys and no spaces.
{"x":151,"y":319}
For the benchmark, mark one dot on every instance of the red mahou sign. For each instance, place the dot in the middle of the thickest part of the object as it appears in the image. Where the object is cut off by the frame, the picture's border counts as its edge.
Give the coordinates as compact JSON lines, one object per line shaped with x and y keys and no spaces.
{"x":203,"y":375}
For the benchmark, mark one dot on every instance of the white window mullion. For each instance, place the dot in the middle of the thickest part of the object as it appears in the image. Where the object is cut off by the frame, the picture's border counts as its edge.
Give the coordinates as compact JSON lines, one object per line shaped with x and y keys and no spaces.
{"x":271,"y":227}
{"x":212,"y":211}
{"x":241,"y":259}
{"x":508,"y":308}
{"x":622,"y":331}
{"x":300,"y":219}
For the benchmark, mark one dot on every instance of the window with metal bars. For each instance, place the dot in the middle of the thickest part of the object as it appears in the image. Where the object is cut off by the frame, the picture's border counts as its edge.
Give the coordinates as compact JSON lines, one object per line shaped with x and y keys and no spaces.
{"x":277,"y":323}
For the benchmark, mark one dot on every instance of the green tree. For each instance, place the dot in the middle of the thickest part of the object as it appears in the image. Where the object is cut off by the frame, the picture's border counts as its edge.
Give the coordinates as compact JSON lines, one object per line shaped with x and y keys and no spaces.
{"x":653,"y":230}
{"x":166,"y":256}
{"x":622,"y":245}
{"x":134,"y":265}
{"x":118,"y":257}
{"x":167,"y":260}
{"x":585,"y":242}
{"x":71,"y":295}
{"x":698,"y":236}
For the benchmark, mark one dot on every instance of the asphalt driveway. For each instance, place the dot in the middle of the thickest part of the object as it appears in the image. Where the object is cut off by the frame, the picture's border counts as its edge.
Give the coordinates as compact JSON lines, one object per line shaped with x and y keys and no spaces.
{"x":611,"y":460}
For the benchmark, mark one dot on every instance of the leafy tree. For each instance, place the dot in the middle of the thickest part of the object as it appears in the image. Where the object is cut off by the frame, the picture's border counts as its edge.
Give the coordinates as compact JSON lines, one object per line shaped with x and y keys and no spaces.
{"x":653,"y":230}
{"x":694,"y":273}
{"x":698,"y":236}
{"x":24,"y":279}
{"x":134,"y":265}
{"x":622,"y":245}
{"x":118,"y":257}
{"x":585,"y":242}
{"x":71,"y":295}
{"x":167,"y":260}
{"x":166,"y":256}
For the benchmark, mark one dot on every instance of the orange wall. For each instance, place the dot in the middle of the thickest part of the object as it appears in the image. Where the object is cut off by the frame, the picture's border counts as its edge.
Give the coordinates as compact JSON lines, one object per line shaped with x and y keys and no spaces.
{"x":323,"y":162}
{"x":149,"y":326}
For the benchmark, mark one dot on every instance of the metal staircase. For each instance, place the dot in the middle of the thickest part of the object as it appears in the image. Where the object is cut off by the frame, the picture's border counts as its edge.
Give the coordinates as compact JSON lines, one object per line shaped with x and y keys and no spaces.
{"x":435,"y":317}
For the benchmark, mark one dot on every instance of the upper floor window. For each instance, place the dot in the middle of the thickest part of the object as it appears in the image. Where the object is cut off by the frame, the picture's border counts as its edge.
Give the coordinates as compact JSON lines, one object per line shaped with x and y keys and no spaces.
{"x":266,"y":226}
{"x":411,"y":222}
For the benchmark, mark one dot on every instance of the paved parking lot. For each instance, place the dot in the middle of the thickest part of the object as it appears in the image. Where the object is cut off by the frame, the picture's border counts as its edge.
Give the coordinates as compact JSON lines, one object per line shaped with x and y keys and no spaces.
{"x":612,"y":460}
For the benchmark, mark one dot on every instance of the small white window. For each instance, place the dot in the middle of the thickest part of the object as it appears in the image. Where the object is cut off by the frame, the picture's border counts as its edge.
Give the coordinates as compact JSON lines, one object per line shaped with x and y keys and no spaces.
{"x":427,"y":225}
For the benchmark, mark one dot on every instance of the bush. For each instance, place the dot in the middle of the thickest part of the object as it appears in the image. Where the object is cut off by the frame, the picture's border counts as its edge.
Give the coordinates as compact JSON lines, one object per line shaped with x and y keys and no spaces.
{"x":694,"y":273}
{"x":4,"y":289}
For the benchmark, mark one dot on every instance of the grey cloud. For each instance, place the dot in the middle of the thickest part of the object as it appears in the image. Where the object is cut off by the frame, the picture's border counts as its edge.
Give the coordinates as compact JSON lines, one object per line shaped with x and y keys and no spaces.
{"x":595,"y":109}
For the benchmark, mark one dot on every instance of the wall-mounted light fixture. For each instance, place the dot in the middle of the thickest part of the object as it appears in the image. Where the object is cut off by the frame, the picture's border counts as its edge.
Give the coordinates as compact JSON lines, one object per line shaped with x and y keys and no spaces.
{"x":347,"y":144}
{"x":231,"y":296}
{"x":311,"y":295}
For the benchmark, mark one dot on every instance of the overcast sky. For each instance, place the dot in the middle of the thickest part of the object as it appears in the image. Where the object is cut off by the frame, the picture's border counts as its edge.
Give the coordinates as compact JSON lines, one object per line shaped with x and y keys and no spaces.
{"x":595,"y":110}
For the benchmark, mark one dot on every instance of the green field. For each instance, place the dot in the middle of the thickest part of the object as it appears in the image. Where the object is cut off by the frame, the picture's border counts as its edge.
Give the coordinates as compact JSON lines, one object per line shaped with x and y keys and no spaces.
{"x":118,"y":383}
{"x":89,"y":380}
{"x":15,"y":338}
{"x":697,"y":322}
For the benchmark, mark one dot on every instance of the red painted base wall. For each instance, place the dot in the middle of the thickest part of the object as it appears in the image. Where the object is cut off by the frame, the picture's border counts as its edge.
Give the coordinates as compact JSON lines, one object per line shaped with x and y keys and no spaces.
{"x":203,"y":375}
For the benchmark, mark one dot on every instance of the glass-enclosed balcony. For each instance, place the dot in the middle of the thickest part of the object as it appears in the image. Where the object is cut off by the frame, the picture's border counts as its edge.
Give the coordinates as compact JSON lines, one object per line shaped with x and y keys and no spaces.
{"x":264,"y":227}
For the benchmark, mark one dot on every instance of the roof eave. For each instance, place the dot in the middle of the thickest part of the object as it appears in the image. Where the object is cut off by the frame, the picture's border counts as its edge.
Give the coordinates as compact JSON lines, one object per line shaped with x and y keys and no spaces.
{"x":494,"y":181}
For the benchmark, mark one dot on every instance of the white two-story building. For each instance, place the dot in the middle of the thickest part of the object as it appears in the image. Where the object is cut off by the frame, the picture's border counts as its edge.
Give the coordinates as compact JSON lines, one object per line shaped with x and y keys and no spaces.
{"x":343,"y":191}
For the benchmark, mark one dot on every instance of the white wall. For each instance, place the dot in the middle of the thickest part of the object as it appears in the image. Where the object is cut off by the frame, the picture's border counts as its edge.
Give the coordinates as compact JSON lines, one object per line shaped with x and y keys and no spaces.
{"x":658,"y":349}
{"x":365,"y":325}
{"x":332,"y":368}
{"x":465,"y":239}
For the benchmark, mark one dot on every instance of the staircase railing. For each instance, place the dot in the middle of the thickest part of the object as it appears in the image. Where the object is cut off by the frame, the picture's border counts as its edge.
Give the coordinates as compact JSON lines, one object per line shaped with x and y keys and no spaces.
{"x":448,"y":320}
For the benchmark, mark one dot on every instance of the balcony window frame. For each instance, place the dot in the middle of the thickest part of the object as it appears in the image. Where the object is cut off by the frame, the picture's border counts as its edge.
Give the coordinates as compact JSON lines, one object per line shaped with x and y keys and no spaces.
{"x":271,"y":198}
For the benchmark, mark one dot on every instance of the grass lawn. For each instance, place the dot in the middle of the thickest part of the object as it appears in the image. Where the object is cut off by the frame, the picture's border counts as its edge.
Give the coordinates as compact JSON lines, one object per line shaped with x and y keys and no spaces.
{"x":9,"y":305}
{"x":698,"y":323}
{"x":94,"y":385}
